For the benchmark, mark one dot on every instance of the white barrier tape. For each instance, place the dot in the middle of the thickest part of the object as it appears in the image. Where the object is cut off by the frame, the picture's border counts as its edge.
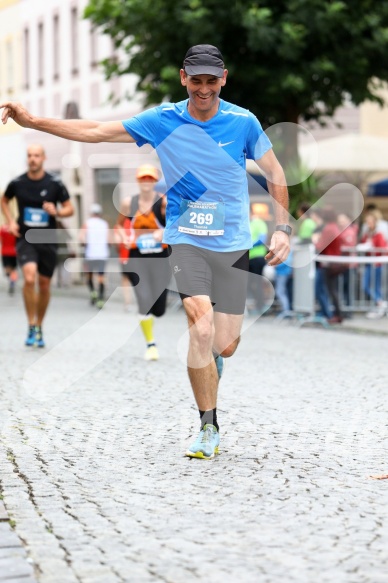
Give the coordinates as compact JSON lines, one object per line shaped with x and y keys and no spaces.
{"x":350,"y":259}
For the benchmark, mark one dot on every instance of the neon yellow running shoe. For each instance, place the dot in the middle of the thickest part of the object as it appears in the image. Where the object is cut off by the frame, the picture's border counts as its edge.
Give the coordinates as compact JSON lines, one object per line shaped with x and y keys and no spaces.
{"x":206,"y":445}
{"x":152,"y":353}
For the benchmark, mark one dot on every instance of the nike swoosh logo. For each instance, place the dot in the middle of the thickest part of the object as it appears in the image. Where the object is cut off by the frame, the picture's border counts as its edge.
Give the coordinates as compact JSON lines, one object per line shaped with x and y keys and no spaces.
{"x":226,"y":144}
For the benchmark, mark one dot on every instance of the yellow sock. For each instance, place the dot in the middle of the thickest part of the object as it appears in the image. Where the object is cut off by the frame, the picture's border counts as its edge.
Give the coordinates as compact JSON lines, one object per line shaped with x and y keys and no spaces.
{"x":147,"y":326}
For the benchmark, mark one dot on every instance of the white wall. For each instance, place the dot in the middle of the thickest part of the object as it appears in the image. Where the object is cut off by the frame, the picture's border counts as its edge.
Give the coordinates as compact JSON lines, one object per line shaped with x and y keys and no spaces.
{"x":89,"y":89}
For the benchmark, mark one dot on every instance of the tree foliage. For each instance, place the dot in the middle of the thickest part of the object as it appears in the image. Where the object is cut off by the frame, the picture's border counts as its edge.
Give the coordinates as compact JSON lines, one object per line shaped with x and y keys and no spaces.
{"x":286,"y":58}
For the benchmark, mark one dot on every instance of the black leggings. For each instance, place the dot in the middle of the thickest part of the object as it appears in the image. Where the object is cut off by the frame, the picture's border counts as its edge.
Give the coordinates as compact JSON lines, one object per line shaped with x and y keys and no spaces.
{"x":150,"y":275}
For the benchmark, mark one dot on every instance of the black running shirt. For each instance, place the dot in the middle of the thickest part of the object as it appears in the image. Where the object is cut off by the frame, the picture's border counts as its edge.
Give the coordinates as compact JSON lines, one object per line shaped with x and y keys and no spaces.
{"x":30,"y":196}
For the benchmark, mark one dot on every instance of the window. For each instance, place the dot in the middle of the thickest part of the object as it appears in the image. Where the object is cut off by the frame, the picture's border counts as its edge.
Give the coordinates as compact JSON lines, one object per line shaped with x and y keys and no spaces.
{"x":93,"y":47}
{"x":10,"y":66}
{"x":26,"y":55}
{"x":40,"y":53}
{"x":56,"y":47}
{"x":106,"y":180}
{"x":74,"y":41}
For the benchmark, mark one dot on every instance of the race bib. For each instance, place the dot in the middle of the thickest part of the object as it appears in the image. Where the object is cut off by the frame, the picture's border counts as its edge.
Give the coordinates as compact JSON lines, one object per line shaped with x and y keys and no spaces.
{"x":147,"y":244}
{"x":202,"y":218}
{"x":35,"y":217}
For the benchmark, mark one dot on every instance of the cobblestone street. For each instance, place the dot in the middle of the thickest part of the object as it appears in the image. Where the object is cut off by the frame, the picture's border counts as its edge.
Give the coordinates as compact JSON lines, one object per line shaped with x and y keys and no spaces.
{"x":93,"y":473}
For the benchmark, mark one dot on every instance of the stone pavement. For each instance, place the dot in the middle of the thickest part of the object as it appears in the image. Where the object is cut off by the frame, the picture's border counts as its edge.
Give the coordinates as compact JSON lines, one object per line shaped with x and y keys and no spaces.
{"x":94,"y":479}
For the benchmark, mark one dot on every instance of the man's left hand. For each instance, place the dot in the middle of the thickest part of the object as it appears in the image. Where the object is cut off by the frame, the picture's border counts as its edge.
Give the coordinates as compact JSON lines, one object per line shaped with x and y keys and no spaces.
{"x":279,"y":248}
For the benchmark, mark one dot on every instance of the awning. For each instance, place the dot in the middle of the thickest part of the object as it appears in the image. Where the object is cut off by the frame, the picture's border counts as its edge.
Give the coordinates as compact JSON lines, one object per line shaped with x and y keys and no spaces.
{"x":379,"y":188}
{"x":347,"y":153}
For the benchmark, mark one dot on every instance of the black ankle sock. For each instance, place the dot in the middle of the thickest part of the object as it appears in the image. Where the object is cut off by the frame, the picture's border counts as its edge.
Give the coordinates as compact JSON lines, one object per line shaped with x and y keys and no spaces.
{"x":209,"y":417}
{"x":90,"y":285}
{"x":101,"y":290}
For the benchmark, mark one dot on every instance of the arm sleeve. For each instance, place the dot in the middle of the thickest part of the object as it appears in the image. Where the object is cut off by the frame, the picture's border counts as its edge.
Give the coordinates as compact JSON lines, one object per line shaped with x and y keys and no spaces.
{"x":144,"y":128}
{"x":62,"y":192}
{"x":257,"y":142}
{"x":10,"y":190}
{"x":379,"y":240}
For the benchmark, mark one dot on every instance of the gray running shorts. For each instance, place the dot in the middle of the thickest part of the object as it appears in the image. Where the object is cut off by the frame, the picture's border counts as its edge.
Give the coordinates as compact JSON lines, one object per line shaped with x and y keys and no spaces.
{"x":221,"y":276}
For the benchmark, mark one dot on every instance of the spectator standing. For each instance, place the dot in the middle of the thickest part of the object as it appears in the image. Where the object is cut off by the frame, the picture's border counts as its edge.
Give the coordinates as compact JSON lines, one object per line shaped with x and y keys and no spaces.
{"x":328,"y":242}
{"x":381,"y":225}
{"x":349,"y":234}
{"x":373,"y":238}
{"x":8,"y":257}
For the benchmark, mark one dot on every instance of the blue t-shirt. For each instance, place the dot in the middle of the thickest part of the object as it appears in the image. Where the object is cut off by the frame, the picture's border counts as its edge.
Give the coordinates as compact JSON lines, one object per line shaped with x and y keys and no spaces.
{"x":204,"y":168}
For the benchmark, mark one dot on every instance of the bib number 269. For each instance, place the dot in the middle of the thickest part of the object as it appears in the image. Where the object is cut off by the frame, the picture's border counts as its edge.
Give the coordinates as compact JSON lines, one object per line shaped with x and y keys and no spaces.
{"x":201,"y":218}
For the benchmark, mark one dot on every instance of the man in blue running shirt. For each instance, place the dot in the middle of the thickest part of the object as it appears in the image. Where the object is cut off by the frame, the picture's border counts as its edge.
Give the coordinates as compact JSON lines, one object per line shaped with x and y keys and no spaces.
{"x":203,"y":143}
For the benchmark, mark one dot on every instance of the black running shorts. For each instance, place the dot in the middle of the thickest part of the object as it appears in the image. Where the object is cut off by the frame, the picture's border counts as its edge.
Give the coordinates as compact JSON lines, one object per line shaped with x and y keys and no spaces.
{"x":150,"y":276}
{"x":221,"y":276}
{"x":43,"y":254}
{"x":9,"y":261}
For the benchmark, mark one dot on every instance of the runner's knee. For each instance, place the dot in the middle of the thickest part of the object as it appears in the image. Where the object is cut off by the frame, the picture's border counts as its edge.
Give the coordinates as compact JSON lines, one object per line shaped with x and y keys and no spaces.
{"x":29,"y":278}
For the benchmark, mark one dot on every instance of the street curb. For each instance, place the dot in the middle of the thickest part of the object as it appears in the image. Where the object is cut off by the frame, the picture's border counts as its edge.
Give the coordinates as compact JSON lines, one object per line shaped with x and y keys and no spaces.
{"x":361,"y":331}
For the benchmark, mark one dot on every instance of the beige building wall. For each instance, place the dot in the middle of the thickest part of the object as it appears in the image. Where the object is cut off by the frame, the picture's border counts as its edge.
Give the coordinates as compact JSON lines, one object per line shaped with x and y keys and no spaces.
{"x":374,"y":118}
{"x":12,"y":151}
{"x":374,"y":121}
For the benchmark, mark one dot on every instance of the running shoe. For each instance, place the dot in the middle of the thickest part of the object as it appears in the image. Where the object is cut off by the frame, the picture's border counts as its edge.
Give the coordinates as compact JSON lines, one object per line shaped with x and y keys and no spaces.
{"x":93,"y":298}
{"x":220,"y":365}
{"x":30,"y":340}
{"x":39,"y":342}
{"x":100,"y":304}
{"x":152,"y":353}
{"x":206,"y":445}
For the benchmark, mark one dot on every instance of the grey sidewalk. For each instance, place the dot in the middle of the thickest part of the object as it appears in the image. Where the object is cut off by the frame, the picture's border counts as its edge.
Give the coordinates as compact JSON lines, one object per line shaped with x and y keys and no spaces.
{"x":97,"y":486}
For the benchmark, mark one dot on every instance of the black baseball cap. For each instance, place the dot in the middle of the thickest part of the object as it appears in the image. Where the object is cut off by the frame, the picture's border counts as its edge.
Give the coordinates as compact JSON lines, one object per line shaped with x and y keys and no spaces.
{"x":204,"y":60}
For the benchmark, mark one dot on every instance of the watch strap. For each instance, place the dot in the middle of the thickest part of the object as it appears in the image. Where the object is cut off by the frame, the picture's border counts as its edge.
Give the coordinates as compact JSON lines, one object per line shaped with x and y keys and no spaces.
{"x":284,"y":228}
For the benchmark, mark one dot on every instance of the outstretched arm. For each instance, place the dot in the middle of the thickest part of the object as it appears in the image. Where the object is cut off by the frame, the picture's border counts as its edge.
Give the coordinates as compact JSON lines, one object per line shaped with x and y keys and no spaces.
{"x":79,"y":130}
{"x":13,"y":226}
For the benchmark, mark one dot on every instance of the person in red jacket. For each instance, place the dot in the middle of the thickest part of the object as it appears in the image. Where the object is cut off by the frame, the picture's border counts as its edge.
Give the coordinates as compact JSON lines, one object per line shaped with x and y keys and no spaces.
{"x":374,"y":239}
{"x":8,"y":257}
{"x":349,"y":239}
{"x":328,"y":242}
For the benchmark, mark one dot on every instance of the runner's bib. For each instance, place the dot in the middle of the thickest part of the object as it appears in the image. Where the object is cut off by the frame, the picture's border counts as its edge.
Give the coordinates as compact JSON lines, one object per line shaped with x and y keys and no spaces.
{"x":202,"y":218}
{"x":147,"y":244}
{"x":35,"y":217}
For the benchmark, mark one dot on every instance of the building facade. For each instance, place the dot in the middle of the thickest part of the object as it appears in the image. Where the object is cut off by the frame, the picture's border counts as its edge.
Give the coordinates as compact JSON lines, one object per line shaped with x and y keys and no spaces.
{"x":49,"y":60}
{"x":56,"y":73}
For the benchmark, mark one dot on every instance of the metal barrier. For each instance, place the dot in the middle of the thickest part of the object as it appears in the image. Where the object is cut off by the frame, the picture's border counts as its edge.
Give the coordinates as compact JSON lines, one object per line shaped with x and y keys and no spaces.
{"x":360,"y":263}
{"x":351,"y":283}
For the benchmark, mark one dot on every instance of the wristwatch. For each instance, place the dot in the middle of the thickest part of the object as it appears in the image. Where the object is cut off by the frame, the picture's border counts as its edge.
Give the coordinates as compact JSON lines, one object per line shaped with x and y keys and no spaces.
{"x":284,"y":228}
